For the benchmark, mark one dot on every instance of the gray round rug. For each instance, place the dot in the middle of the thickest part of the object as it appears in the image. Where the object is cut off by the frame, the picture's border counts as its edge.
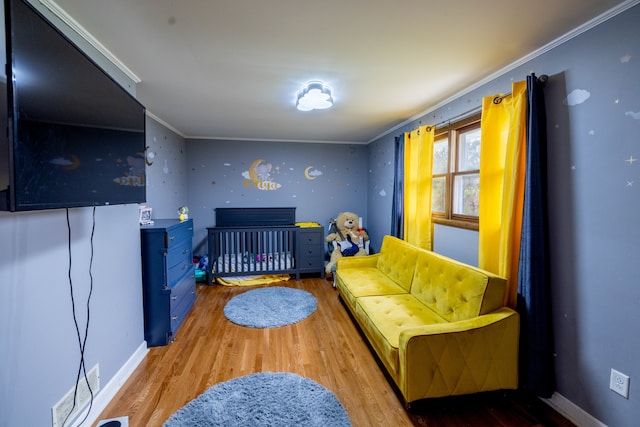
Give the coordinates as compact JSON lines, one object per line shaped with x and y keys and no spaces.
{"x":263,"y":399}
{"x":270,"y":307}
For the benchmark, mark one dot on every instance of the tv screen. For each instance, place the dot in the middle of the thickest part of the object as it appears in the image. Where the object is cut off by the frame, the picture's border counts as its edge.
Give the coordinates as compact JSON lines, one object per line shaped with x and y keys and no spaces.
{"x":75,"y":136}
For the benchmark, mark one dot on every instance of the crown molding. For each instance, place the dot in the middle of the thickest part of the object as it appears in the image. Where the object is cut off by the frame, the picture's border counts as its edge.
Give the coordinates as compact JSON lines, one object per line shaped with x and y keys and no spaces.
{"x":82,"y":32}
{"x":165,"y":124}
{"x":536,"y":53}
{"x":298,"y":141}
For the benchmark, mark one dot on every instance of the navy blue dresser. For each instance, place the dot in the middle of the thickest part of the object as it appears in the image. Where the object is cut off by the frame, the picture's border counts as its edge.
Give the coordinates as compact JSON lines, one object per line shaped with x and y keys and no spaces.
{"x":168,"y":278}
{"x":311,"y":248}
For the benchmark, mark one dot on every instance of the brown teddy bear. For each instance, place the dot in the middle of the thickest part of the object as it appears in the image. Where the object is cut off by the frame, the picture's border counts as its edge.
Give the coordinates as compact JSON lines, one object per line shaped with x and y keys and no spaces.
{"x":346,"y":231}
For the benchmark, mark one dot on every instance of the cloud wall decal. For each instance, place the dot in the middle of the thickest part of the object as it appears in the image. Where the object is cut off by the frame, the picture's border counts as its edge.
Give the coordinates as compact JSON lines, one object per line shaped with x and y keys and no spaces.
{"x":577,"y":96}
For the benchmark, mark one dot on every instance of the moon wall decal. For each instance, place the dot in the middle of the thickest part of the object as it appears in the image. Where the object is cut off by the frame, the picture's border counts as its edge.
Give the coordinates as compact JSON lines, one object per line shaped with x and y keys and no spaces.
{"x":252,"y":170}
{"x":306,"y":173}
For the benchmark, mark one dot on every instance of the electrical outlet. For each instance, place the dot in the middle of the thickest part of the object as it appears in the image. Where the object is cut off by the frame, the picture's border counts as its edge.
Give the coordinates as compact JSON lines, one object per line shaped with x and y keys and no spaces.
{"x":619,"y":383}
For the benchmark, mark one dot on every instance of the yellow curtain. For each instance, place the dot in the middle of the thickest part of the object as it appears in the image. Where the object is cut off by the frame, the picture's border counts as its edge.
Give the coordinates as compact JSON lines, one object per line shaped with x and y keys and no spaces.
{"x":502,"y":173}
{"x":418,"y":160}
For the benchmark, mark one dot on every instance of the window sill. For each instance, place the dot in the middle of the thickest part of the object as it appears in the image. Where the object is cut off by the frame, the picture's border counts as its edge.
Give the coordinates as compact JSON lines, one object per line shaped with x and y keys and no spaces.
{"x":467,"y":225}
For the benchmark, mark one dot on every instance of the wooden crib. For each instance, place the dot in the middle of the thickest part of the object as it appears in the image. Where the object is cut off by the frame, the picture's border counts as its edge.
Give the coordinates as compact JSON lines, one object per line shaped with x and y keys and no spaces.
{"x":252,"y":241}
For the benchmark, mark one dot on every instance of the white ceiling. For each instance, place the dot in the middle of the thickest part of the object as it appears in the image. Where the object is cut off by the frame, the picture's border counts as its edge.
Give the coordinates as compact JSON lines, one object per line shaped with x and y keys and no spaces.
{"x":231,"y":68}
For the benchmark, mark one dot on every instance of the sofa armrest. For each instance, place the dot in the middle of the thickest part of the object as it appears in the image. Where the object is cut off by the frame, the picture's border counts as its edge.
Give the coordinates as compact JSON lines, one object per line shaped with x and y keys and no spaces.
{"x":467,"y":356}
{"x":358,"y":261}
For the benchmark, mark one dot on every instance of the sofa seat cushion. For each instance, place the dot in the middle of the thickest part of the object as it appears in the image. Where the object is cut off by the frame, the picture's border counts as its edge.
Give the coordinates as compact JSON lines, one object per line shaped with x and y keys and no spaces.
{"x":383,"y":317}
{"x":356,"y":283}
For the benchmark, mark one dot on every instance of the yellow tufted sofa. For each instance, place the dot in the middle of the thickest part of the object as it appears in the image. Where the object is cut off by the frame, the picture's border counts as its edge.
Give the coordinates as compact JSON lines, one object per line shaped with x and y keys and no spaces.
{"x":437,"y":325}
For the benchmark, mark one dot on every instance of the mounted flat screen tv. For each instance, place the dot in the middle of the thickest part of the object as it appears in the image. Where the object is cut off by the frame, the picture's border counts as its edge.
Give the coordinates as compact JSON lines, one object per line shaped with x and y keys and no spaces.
{"x":75,"y":136}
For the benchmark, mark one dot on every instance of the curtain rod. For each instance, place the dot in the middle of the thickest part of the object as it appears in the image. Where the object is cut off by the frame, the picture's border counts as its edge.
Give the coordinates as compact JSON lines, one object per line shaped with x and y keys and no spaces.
{"x":456,"y":118}
{"x":496,"y":100}
{"x":542,"y":80}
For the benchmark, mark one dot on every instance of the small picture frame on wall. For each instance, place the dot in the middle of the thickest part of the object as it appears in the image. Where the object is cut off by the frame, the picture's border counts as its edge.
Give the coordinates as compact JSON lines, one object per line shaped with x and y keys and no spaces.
{"x":145,"y":215}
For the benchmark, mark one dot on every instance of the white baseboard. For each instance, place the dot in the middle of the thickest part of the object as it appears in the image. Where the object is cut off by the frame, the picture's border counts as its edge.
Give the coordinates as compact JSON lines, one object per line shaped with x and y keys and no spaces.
{"x":572,"y":412}
{"x":108,"y":392}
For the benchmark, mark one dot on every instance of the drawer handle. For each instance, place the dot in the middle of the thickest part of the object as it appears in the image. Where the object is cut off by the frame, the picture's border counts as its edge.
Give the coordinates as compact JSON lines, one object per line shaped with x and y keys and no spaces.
{"x":185,"y":251}
{"x":184,"y":267}
{"x":175,"y":297}
{"x":174,"y":318}
{"x":172,"y":238}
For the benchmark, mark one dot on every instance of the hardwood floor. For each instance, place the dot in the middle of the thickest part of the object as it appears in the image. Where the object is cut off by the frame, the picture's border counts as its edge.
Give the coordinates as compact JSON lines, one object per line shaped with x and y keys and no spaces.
{"x":326,"y":347}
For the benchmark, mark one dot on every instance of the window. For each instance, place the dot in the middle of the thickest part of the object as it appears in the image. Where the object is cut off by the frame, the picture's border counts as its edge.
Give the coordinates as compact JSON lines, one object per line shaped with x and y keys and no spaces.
{"x":456,"y":174}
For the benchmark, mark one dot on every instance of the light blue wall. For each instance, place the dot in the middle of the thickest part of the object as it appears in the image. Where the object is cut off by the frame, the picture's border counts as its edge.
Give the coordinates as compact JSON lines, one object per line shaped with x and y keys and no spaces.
{"x":167,"y":171}
{"x":594,"y":199}
{"x":458,"y":243}
{"x":218,"y":172}
{"x":39,"y":354}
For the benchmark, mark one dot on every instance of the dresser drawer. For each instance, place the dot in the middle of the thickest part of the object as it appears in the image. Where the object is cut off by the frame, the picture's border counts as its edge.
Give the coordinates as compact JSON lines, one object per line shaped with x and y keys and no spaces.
{"x":179,"y":253}
{"x":311,"y":251}
{"x":311,"y":238}
{"x":182,"y":297}
{"x":182,"y":290}
{"x":178,"y":234}
{"x":179,"y":269}
{"x":311,"y":262}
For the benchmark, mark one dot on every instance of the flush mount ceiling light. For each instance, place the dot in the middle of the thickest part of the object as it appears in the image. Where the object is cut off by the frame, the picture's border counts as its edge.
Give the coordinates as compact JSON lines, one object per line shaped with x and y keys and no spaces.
{"x":314,"y":95}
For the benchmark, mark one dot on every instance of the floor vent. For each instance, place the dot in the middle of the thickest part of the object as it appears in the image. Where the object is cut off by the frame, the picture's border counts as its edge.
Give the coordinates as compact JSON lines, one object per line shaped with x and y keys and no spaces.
{"x":62,"y":412}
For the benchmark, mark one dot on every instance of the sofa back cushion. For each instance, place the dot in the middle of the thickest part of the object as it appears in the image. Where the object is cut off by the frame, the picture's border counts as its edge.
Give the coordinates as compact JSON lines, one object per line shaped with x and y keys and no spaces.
{"x":454,"y":290}
{"x":397,"y":260}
